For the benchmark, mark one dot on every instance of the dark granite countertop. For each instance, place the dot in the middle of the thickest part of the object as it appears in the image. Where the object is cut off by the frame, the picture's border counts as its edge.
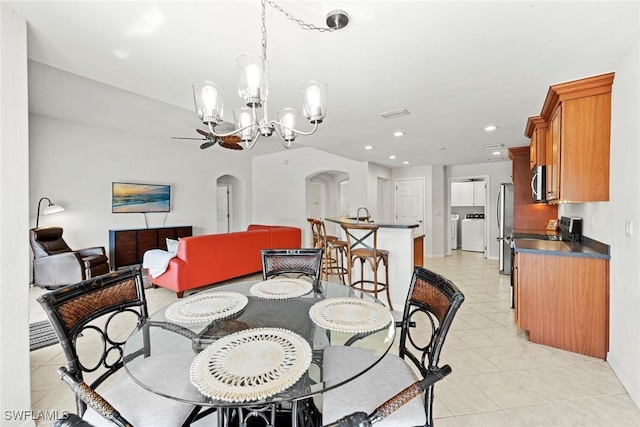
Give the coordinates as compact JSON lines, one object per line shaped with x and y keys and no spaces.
{"x":588,"y":248}
{"x":347,"y":220}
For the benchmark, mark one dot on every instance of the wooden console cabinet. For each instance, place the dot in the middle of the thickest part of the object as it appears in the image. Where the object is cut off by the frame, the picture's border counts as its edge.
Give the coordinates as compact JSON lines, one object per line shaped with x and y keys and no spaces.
{"x":127,"y":247}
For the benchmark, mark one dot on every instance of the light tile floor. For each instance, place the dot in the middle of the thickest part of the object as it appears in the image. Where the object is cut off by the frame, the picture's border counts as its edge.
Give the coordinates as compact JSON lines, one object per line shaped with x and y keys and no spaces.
{"x":499,"y":378}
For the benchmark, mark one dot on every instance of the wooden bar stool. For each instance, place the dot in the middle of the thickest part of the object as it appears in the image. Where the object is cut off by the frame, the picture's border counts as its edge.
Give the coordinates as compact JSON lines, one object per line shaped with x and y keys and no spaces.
{"x":359,"y":249}
{"x":335,"y":250}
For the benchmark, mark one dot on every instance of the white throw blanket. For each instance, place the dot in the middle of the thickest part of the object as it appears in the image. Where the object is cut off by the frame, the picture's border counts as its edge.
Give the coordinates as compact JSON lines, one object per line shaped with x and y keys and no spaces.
{"x":157,"y":261}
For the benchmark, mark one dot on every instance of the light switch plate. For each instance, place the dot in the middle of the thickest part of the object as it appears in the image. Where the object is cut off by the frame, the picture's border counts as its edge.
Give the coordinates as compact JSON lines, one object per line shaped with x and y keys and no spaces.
{"x":628,"y":228}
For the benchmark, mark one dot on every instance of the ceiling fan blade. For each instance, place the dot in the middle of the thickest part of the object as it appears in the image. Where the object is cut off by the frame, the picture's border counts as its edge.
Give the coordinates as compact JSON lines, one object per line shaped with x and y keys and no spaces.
{"x":206,"y":144}
{"x":205,"y":133}
{"x":184,"y":137}
{"x":231,"y":139}
{"x":230,"y":145}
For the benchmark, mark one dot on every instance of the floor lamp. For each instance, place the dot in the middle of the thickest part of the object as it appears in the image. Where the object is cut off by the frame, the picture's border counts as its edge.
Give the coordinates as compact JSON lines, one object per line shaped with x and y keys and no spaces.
{"x":51,"y":208}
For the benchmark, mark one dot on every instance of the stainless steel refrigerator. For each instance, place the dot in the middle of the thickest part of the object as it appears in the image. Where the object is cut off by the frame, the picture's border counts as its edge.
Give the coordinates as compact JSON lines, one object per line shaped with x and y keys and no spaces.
{"x":505,"y":226}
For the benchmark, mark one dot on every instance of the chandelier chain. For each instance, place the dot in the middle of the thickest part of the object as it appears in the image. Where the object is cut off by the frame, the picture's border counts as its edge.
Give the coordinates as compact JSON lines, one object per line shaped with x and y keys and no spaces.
{"x":264,"y":30}
{"x":300,"y":22}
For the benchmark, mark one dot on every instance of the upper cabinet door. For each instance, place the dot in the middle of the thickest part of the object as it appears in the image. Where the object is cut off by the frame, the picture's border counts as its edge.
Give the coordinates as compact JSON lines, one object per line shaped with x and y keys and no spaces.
{"x":479,"y":193}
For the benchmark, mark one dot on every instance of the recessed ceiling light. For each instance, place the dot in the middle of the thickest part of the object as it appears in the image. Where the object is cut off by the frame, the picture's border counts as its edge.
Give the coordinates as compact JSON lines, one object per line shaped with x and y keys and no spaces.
{"x":490,"y":128}
{"x":496,"y":153}
{"x":406,"y":162}
{"x":398,"y":133}
{"x":392,"y":157}
{"x":368,"y":147}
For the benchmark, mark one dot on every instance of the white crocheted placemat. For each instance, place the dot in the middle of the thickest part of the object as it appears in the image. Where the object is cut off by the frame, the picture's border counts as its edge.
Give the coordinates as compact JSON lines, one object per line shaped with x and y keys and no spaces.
{"x":251,"y":365}
{"x":350,"y":315}
{"x":281,"y":288}
{"x":206,"y":307}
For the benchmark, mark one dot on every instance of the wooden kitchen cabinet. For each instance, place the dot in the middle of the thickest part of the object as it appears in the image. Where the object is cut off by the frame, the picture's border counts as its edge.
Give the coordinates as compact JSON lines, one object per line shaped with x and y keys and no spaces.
{"x":563,"y":301}
{"x":527,"y":214}
{"x":577,"y":139}
{"x":536,"y":130}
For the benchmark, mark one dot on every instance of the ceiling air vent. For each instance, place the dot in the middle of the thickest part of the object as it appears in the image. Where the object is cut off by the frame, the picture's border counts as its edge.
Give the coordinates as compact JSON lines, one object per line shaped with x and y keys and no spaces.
{"x":395,"y":113}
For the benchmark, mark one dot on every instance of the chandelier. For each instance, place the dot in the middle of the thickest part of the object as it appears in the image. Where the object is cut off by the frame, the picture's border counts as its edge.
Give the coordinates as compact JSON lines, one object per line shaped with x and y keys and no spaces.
{"x":253,"y":88}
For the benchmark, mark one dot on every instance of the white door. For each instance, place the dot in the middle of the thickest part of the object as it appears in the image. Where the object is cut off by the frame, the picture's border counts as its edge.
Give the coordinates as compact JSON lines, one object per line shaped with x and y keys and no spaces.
{"x":410,"y":202}
{"x":223,"y":196}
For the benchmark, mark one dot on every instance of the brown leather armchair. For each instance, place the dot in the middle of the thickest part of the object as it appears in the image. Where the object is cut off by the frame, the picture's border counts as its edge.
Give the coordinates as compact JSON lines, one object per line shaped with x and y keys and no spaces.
{"x":55,"y":264}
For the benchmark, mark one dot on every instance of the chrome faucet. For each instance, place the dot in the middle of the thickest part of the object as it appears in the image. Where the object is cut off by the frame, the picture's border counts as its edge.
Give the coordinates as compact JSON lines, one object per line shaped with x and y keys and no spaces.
{"x":368,"y":216}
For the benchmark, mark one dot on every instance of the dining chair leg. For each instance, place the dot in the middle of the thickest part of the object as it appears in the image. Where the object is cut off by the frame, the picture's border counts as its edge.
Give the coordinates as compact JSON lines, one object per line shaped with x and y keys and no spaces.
{"x":294,"y":413}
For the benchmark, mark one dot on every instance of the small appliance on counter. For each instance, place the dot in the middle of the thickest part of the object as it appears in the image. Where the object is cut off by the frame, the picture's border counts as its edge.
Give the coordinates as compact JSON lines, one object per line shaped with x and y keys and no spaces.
{"x":570,"y":229}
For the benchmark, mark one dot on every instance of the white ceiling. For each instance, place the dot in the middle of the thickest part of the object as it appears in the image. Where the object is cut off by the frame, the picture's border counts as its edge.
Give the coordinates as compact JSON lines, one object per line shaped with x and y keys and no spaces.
{"x":456,"y":66}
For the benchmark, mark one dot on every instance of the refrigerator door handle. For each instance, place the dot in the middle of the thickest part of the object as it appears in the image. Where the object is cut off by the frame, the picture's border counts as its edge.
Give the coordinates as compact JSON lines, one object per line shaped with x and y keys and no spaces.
{"x":498,"y":206}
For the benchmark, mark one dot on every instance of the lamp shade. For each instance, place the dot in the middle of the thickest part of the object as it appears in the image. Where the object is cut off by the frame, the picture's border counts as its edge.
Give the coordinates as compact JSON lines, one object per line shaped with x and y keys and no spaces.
{"x":209,"y":102}
{"x":51,"y":209}
{"x":253,"y":79}
{"x":287,"y":122}
{"x":314,"y":101}
{"x":244,"y":118}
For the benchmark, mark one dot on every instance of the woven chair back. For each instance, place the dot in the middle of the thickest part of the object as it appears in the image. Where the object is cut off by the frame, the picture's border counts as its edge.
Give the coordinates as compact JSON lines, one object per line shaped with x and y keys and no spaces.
{"x":98,"y":313}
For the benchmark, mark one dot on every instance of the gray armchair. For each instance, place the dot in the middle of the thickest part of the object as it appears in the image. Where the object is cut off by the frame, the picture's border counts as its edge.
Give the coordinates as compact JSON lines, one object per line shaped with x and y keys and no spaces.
{"x":55,"y":264}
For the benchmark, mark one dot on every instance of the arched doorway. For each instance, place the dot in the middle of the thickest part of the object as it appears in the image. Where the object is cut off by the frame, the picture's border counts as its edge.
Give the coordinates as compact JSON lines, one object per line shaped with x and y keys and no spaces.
{"x":327,"y":196}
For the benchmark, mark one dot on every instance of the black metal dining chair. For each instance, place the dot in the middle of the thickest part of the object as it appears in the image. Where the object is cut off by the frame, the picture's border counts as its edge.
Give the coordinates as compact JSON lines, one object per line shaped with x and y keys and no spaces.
{"x":432,"y":303}
{"x":93,"y":319}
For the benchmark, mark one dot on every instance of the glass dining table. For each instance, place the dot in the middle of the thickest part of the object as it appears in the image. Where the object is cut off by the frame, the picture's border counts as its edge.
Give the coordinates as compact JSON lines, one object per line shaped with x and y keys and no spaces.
{"x":176,"y":355}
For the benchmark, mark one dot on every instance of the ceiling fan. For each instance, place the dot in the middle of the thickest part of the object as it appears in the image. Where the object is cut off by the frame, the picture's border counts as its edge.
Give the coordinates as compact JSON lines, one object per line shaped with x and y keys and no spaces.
{"x":231,"y":142}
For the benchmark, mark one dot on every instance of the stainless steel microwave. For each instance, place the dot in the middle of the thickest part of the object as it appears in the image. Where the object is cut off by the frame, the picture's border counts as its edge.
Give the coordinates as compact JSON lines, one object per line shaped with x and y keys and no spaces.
{"x":539,"y":184}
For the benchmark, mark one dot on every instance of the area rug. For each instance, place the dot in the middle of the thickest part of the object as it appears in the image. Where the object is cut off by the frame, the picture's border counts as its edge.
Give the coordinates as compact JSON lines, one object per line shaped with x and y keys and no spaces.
{"x":41,"y":334}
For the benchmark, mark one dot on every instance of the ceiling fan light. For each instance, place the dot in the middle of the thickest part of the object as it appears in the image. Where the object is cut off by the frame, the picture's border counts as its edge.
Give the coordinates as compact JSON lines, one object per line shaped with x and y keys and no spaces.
{"x":253,"y":79}
{"x":244,"y":119}
{"x":209,"y":103}
{"x":314,"y":101}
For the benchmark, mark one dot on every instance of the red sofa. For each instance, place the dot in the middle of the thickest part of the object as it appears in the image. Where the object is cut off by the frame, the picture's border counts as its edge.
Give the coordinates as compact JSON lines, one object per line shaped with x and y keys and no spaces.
{"x":213,"y":258}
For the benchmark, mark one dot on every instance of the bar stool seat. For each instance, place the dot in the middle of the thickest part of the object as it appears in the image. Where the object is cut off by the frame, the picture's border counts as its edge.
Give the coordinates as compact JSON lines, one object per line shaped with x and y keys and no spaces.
{"x":359,"y":249}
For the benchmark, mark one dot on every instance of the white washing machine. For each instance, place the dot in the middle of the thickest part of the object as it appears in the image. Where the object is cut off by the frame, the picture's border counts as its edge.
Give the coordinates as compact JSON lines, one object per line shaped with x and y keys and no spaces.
{"x":453,"y":231}
{"x":473,"y":232}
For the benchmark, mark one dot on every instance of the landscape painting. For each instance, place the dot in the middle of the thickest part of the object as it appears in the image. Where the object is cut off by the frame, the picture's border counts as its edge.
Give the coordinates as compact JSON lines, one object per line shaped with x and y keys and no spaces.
{"x":132,"y":198}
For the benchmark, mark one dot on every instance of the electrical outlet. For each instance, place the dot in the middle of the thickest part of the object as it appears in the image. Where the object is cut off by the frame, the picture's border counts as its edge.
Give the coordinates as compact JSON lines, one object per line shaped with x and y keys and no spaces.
{"x":628,"y":228}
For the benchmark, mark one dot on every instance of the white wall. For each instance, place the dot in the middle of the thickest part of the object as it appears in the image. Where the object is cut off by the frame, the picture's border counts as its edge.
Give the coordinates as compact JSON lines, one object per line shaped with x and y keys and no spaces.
{"x":498,"y":172}
{"x":279,"y":183}
{"x":14,"y":208}
{"x":74,"y":165}
{"x":605,"y":221}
